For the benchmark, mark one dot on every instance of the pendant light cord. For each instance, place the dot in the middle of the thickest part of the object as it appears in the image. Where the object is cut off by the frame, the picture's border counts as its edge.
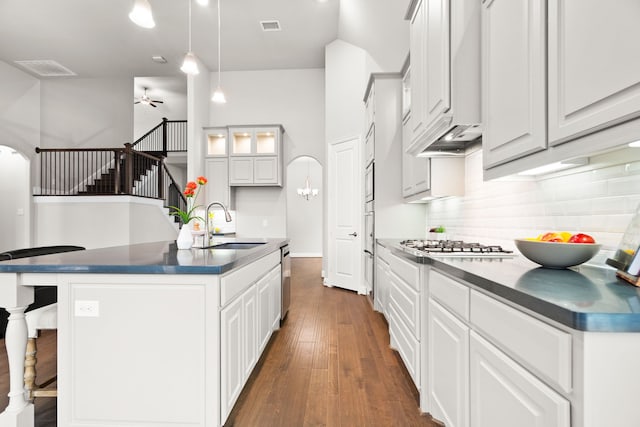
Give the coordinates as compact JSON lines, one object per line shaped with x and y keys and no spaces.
{"x":219,"y":65}
{"x":189,"y":25}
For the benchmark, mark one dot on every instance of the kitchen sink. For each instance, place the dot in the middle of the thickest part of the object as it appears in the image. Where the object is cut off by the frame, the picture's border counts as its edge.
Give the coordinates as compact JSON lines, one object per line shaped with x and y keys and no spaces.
{"x":236,"y":245}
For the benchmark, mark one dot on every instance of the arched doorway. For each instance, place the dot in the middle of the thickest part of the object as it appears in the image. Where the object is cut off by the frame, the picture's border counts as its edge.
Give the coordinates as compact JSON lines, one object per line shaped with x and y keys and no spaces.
{"x":15,"y":187}
{"x":304,"y":213}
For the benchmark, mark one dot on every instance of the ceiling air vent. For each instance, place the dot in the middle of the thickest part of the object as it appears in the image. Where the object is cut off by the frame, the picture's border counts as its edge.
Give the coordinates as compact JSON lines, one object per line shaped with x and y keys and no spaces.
{"x":270,"y":25}
{"x":46,"y":68}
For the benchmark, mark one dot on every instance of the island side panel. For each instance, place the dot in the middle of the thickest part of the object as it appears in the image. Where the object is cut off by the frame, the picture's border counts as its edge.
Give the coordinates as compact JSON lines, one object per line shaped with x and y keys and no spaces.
{"x":134,"y":349}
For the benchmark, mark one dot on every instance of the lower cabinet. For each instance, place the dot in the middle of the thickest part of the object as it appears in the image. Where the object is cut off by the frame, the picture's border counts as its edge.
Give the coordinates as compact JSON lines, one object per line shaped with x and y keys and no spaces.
{"x":448,"y":367}
{"x":503,"y":394}
{"x":246,"y":324}
{"x":381,"y":279}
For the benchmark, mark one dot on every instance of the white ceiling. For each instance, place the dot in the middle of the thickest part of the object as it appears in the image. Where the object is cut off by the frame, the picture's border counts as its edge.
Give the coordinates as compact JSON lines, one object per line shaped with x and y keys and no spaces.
{"x":95,"y":38}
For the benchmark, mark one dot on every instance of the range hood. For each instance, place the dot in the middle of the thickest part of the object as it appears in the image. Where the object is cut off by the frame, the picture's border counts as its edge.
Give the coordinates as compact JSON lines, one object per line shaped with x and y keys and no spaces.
{"x":448,"y":115}
{"x":454,"y":142}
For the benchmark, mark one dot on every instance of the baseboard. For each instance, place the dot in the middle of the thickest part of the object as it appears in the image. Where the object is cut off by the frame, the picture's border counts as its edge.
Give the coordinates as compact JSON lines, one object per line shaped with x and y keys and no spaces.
{"x":305,"y":255}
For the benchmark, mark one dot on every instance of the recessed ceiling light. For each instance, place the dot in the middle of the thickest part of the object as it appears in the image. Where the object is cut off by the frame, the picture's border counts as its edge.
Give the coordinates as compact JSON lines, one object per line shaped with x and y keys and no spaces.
{"x":634,"y":144}
{"x":159,"y":59}
{"x":270,"y":25}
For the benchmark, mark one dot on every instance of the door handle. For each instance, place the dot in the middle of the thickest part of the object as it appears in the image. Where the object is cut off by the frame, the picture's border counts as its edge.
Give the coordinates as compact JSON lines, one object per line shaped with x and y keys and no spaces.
{"x":354,"y":234}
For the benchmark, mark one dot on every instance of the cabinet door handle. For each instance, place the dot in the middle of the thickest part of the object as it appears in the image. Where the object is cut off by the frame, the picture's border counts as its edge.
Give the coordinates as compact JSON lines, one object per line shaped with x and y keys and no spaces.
{"x":354,"y":234}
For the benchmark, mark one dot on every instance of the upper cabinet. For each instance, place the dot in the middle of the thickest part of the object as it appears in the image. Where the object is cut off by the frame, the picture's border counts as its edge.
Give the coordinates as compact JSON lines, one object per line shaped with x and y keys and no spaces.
{"x":559,"y":80}
{"x":445,"y":72}
{"x":513,"y":78}
{"x":594,"y":66}
{"x":217,"y":166}
{"x":255,"y":155}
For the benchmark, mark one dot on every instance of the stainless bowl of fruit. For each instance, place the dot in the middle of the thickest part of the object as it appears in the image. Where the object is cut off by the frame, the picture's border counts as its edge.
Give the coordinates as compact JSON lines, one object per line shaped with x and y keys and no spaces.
{"x":558,"y":249}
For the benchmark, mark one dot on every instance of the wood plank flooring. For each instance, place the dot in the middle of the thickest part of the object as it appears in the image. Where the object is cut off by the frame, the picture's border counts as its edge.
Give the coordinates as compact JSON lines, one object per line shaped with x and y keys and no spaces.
{"x":329,"y":365}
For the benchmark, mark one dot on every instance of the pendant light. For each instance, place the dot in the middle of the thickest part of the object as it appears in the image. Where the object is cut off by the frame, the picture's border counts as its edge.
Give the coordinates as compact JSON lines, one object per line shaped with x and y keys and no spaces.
{"x":218,"y":96}
{"x":190,"y":65}
{"x":141,"y":14}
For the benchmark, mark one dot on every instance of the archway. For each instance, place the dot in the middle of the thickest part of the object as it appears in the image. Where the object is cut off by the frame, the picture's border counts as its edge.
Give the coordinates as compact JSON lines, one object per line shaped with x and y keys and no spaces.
{"x":304,"y":214}
{"x":15,"y":187}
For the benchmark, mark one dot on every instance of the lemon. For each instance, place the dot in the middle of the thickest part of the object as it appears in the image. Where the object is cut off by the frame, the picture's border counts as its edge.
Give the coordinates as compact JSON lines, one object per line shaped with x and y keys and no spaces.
{"x":565,"y":235}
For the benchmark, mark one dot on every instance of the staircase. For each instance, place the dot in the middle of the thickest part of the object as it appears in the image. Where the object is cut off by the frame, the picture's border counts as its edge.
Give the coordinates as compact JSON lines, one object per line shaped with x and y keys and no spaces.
{"x":138,"y":169}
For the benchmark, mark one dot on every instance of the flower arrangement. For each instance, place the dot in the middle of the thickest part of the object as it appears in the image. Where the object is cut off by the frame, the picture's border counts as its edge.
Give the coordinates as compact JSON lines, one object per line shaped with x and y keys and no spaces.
{"x":191,"y":191}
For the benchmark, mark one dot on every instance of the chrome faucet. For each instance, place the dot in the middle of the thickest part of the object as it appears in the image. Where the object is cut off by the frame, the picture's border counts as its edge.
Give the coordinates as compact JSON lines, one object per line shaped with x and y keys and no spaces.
{"x":227,"y":217}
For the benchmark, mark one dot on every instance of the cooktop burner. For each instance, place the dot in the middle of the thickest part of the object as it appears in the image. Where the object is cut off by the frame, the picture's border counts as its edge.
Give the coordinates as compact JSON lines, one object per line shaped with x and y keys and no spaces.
{"x":456,"y":248}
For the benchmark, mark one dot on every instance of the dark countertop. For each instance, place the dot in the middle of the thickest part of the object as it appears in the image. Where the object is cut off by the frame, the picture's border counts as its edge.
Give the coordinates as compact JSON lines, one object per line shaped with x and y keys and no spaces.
{"x":146,"y":258}
{"x":585,"y":298}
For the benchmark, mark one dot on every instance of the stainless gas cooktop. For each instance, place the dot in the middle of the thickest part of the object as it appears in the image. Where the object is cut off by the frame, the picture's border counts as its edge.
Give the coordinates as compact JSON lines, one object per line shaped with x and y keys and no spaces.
{"x":456,"y":248}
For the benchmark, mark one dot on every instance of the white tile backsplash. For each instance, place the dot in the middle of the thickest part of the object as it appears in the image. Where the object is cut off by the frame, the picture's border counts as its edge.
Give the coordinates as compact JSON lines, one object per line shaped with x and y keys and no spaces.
{"x":600,"y":202}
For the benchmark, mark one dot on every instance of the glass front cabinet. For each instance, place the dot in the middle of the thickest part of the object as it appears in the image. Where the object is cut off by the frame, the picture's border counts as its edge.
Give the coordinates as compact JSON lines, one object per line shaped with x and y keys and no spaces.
{"x":255,"y":155}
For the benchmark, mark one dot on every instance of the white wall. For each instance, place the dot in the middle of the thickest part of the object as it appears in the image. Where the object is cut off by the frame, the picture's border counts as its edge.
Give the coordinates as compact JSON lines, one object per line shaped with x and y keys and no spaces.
{"x":16,"y":196}
{"x":377,"y":26}
{"x":304,"y":217}
{"x":293,"y":98}
{"x":172,"y":91}
{"x":599,"y":202}
{"x":86,"y":113}
{"x":95,"y":222}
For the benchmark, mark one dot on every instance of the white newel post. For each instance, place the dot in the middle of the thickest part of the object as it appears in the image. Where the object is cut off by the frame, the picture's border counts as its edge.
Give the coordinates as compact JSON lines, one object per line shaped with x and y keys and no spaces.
{"x":15,"y":299}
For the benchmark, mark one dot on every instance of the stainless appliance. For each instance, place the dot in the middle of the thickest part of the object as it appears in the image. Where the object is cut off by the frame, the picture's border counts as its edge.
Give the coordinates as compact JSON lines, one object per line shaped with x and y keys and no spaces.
{"x":285,"y":266}
{"x":454,"y":248}
{"x":627,"y":257}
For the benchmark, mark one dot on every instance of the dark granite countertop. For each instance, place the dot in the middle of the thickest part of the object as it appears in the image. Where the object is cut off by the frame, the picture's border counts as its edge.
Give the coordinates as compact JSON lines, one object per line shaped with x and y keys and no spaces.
{"x":585,"y":298}
{"x":146,"y":258}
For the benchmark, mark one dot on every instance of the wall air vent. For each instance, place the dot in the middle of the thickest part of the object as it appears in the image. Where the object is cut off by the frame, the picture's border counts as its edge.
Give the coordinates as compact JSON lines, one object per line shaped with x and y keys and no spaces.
{"x":46,"y":68}
{"x":270,"y":25}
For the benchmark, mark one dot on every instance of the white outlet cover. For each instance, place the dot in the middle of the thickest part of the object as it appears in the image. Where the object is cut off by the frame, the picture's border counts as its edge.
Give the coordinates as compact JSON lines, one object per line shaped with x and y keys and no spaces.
{"x":85,"y":308}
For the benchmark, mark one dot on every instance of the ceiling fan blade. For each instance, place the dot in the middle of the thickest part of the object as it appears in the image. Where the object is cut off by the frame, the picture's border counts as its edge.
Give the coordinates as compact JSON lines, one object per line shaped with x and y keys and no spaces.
{"x":157,"y":101}
{"x":153,"y":105}
{"x":137,"y":102}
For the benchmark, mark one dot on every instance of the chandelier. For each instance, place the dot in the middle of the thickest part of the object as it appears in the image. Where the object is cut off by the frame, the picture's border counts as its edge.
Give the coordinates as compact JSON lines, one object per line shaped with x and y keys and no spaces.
{"x":307,"y":192}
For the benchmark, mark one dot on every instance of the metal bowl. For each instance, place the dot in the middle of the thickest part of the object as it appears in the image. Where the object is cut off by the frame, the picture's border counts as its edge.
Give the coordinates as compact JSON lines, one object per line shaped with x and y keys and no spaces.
{"x":556,"y":254}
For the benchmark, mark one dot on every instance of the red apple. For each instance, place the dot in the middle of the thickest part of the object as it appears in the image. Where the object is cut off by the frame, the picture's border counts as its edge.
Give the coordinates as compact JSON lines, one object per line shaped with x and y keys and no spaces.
{"x":581,"y":238}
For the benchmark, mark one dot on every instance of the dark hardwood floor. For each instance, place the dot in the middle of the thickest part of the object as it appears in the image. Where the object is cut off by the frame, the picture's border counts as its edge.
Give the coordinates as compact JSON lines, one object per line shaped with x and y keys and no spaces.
{"x":329,"y":365}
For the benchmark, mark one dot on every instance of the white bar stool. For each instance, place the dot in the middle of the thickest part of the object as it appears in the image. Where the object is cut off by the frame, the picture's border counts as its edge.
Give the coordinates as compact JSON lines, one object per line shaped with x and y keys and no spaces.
{"x":41,"y":318}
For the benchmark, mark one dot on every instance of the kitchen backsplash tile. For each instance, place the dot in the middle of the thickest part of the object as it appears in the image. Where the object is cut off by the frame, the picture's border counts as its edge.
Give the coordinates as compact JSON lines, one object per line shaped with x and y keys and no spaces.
{"x":600,"y":202}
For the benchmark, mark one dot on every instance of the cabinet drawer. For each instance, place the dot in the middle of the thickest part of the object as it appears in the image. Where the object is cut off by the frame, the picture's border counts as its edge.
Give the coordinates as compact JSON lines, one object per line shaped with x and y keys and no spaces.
{"x":406,"y":270}
{"x":537,"y":345}
{"x":405,"y":344}
{"x":235,"y":282}
{"x":450,"y":293}
{"x":407,"y":303}
{"x":383,"y":253}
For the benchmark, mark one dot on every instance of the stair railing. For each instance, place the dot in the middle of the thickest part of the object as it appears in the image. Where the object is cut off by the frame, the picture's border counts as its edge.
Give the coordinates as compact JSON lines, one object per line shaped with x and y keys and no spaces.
{"x":168,"y":136}
{"x":106,"y":171}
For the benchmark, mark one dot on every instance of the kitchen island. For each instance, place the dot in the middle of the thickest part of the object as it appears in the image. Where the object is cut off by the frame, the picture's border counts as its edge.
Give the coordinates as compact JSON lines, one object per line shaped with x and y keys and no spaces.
{"x":148,"y":335}
{"x":504,"y":342}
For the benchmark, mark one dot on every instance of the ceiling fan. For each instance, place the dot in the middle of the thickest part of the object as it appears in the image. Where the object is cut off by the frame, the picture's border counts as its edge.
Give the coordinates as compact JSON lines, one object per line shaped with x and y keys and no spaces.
{"x":145,"y":99}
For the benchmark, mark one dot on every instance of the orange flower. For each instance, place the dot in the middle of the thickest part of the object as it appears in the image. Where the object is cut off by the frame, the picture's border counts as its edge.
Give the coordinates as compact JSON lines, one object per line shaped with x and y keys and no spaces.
{"x":191,"y":191}
{"x":201,"y":180}
{"x":191,"y":185}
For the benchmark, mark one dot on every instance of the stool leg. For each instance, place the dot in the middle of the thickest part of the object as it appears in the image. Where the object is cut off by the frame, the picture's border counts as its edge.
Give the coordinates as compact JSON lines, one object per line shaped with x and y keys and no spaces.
{"x":30,"y":368}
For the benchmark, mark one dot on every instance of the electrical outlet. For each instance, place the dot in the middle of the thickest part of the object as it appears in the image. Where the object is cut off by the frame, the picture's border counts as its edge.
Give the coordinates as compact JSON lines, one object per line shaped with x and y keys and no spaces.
{"x":87,"y":308}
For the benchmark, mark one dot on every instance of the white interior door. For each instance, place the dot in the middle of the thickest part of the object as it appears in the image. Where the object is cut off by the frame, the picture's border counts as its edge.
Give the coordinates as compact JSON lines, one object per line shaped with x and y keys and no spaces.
{"x":345,"y":216}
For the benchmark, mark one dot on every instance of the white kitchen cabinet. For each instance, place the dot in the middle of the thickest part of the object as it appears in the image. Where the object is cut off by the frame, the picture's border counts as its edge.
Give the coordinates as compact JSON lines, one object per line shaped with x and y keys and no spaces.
{"x":370,"y":145}
{"x":250,"y":331}
{"x":416,"y":175}
{"x":513,"y":79}
{"x":503,"y":394}
{"x":594,"y":71}
{"x":448,"y":367}
{"x":217,"y":173}
{"x":268,"y":306}
{"x":217,"y":166}
{"x":445,"y":68}
{"x":590,"y":102}
{"x":405,"y":308}
{"x":255,"y":156}
{"x":382,"y":281}
{"x":231,"y":357}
